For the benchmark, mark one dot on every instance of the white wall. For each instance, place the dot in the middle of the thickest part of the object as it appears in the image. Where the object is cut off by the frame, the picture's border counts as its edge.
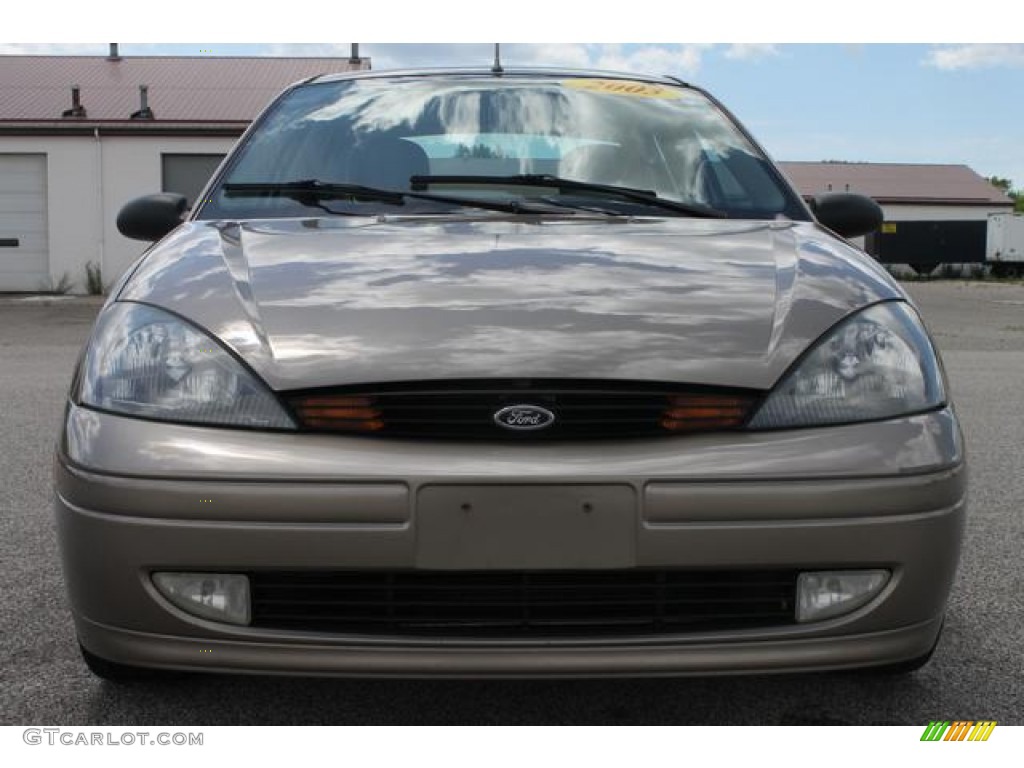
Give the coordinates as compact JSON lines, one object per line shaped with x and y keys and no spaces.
{"x":88,"y":180}
{"x":940,"y":212}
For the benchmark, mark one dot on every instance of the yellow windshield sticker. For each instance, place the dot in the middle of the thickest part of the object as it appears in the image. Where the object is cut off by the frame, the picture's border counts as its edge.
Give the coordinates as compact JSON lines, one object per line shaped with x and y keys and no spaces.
{"x":625,"y":88}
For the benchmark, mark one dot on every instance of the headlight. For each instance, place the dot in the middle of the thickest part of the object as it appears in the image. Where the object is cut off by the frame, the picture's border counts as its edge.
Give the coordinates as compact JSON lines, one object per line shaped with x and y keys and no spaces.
{"x":142,"y":361}
{"x":877,"y":364}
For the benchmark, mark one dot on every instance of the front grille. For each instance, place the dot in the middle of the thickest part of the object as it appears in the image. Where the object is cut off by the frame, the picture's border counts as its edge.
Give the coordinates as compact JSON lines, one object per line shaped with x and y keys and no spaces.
{"x":521,"y":604}
{"x":467,"y":410}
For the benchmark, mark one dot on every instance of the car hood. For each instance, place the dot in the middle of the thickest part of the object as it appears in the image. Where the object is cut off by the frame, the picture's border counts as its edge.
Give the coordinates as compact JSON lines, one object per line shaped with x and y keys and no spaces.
{"x":321,"y":302}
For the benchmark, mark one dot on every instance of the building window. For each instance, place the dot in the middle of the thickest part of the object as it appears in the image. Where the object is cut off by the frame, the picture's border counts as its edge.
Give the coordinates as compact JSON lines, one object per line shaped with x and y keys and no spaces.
{"x":188,"y":174}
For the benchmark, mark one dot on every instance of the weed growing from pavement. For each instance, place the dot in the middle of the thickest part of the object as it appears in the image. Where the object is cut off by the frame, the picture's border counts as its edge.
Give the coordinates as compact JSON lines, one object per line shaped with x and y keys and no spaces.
{"x":94,"y":278}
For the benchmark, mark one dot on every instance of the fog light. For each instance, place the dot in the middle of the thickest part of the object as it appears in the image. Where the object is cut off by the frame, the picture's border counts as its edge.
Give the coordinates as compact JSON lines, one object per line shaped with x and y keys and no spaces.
{"x":215,"y":596}
{"x":824,"y":594}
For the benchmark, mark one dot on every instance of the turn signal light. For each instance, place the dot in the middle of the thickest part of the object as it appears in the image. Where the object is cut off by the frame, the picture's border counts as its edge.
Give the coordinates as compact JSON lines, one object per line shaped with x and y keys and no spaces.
{"x":702,"y":413}
{"x":338,"y":413}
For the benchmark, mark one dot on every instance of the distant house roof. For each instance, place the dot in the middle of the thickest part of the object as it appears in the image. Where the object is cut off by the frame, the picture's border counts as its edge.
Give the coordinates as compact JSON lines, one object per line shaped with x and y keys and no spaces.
{"x":181,"y":89}
{"x":896,"y":182}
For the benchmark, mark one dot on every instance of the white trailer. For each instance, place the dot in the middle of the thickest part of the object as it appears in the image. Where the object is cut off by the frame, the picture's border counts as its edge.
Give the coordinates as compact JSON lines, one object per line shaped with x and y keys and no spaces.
{"x":1004,"y":245}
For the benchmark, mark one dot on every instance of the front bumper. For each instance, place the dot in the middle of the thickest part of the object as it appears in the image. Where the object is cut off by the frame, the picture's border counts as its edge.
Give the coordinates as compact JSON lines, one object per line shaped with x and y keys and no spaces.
{"x":136,"y":496}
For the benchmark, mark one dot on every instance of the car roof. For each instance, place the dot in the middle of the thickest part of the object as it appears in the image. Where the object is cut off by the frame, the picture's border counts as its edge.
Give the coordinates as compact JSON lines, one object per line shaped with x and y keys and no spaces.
{"x":538,"y":72}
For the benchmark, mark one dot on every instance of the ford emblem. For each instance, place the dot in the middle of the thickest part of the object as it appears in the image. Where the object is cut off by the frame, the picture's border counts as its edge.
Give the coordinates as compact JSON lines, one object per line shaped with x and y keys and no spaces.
{"x":524,"y":417}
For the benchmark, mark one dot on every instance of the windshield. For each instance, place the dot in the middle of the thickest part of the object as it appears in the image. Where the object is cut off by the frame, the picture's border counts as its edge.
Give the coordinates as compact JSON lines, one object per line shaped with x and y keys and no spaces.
{"x":460,"y":136}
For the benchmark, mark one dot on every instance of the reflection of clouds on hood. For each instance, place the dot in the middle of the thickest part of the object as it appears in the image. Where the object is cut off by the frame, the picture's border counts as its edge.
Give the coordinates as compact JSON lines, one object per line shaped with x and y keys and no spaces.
{"x":704,"y":301}
{"x":653,"y":279}
{"x":309,"y":346}
{"x":511,"y":349}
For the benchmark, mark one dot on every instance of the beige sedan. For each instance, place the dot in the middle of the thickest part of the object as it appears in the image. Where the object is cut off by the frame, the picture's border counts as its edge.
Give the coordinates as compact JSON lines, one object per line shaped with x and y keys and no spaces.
{"x":539,"y":374}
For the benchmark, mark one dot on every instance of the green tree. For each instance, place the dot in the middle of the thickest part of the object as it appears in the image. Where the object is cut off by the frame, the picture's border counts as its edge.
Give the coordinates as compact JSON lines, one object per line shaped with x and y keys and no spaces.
{"x":1003,"y":184}
{"x":1017,"y":195}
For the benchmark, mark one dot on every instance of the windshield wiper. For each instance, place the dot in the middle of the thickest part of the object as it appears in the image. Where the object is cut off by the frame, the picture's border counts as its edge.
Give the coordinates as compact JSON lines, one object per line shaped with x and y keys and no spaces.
{"x":642,"y":196}
{"x":311,"y":190}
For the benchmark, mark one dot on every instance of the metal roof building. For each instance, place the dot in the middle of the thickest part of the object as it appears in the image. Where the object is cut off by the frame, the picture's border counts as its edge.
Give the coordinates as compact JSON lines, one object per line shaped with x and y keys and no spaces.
{"x":934,"y":214}
{"x":897,"y":183}
{"x":199,"y":90}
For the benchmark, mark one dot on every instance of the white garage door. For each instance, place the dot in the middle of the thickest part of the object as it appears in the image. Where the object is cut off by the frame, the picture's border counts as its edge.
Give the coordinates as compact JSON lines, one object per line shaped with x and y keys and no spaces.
{"x":24,"y":254}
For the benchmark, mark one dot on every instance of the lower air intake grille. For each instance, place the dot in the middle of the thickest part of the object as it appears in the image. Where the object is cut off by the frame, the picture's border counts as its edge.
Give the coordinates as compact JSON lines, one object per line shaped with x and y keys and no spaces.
{"x":521,"y":604}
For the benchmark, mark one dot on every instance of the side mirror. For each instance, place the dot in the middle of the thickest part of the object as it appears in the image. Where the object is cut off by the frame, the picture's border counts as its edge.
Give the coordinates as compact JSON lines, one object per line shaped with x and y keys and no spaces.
{"x":151,"y":217}
{"x":848,"y":214}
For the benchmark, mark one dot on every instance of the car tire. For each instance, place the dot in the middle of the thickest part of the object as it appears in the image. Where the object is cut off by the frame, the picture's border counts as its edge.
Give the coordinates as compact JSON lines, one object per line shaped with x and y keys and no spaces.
{"x":123,"y":673}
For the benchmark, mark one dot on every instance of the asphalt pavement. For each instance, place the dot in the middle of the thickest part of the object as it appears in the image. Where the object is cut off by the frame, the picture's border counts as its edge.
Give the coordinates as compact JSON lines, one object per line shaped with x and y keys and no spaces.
{"x":977,"y":672}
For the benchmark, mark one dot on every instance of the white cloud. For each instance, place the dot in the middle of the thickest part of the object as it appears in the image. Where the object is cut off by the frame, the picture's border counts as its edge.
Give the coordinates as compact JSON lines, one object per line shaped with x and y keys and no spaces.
{"x":675,"y":59}
{"x":309,"y":49}
{"x":53,"y":49}
{"x":547,"y":54}
{"x":976,"y":56}
{"x":683,"y":60}
{"x":653,"y":59}
{"x":750,"y":51}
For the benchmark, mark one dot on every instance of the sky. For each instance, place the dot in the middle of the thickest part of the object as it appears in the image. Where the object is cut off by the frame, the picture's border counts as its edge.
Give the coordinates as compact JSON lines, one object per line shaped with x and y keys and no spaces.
{"x":919,"y":102}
